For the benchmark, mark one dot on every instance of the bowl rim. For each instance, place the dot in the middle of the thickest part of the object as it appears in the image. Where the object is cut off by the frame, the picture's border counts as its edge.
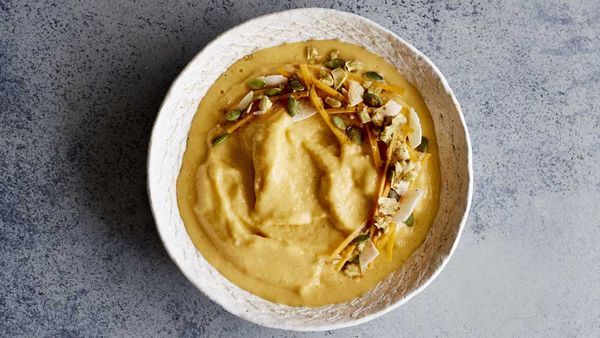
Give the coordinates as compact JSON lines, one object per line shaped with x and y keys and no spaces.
{"x":352,"y":322}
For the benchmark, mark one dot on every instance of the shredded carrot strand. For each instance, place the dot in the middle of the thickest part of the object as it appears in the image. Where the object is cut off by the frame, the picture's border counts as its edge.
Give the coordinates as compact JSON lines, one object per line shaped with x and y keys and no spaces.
{"x":329,"y":91}
{"x":346,"y":110}
{"x":374,"y":148}
{"x":295,"y":95}
{"x":240,"y":123}
{"x":346,"y":241}
{"x":390,"y":242}
{"x":304,"y":73}
{"x":316,"y":101}
{"x":345,"y":257}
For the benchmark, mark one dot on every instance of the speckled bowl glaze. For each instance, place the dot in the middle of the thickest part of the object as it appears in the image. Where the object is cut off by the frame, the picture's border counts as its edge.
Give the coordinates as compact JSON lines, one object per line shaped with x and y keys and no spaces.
{"x":168,"y":143}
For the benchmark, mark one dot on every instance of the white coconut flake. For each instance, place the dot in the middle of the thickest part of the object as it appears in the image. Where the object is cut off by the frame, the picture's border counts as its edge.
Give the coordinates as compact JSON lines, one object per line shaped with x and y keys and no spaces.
{"x":305,"y":110}
{"x":245,"y":102}
{"x":355,"y":93}
{"x":415,"y":136}
{"x":368,"y":255}
{"x":408,"y":203}
{"x":275,"y":80}
{"x":391,"y":108}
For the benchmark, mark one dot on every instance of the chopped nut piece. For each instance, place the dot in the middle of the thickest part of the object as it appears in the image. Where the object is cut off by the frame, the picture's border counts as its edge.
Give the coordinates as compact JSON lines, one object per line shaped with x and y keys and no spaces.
{"x":312,"y":54}
{"x":374,"y":76}
{"x":353,"y":66}
{"x":257,"y":83}
{"x":339,"y":76}
{"x":334,"y":54}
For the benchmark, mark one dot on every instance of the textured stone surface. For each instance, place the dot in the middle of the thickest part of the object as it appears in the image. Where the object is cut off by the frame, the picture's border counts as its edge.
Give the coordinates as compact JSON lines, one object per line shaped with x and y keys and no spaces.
{"x":80,"y":84}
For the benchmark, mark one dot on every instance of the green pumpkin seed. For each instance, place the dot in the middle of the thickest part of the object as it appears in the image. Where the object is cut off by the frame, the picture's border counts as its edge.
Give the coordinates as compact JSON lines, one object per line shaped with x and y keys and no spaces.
{"x":292,"y":106}
{"x":374,"y":76}
{"x":354,"y":134}
{"x":424,"y":146}
{"x":364,"y":115}
{"x":332,"y":102}
{"x":257,"y":83}
{"x":393,"y":194}
{"x":296,"y":85}
{"x":339,"y":122}
{"x":273,"y":91}
{"x":220,"y":139}
{"x":327,"y":80}
{"x":334,"y":63}
{"x":373,"y":100}
{"x":410,"y":221}
{"x":362,"y":238}
{"x":233,"y":115}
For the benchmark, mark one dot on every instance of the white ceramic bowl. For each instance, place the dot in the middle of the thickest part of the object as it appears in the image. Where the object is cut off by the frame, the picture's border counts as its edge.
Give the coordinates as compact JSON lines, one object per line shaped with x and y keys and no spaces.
{"x":168,"y":143}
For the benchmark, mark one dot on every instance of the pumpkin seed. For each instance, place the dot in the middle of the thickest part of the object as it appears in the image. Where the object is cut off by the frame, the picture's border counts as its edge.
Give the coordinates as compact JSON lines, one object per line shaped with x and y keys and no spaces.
{"x":296,"y":85}
{"x":292,"y":106}
{"x":372,"y":100}
{"x":334,"y":63}
{"x":393,"y":194}
{"x":233,"y":115}
{"x":364,"y":115}
{"x":327,"y":80}
{"x":374,"y":76}
{"x":333,"y":103}
{"x":354,"y":134}
{"x":339,"y":122}
{"x":362,"y":238}
{"x":273,"y":91}
{"x":257,"y":83}
{"x":424,"y":146}
{"x":410,"y":221}
{"x":219,"y":139}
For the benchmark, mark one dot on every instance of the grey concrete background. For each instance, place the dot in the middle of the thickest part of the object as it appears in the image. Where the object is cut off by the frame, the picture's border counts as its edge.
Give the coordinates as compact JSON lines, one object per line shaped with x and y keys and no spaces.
{"x":81,"y":82}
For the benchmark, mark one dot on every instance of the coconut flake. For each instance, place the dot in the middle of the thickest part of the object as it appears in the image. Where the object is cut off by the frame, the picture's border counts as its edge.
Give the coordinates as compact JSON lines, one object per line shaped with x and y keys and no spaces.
{"x":305,"y":110}
{"x":408,"y":203}
{"x":275,"y":80}
{"x":245,"y":102}
{"x":355,"y":93}
{"x":368,"y":255}
{"x":415,"y":136}
{"x":391,"y":108}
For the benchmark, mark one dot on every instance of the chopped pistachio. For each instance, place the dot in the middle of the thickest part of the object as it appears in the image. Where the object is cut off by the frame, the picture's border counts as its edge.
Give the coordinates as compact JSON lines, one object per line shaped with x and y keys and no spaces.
{"x":364,"y":115}
{"x":374,"y":76}
{"x":233,"y":115}
{"x":410,"y":221}
{"x":312,"y":54}
{"x":273,"y":91}
{"x":339,"y":76}
{"x":292,"y":106}
{"x":296,"y":85}
{"x":220,"y":139}
{"x":387,"y":206}
{"x":327,"y":79}
{"x":374,"y":90}
{"x":333,"y":103}
{"x":354,"y":134}
{"x":367,"y":84}
{"x":353,"y":66}
{"x":334,"y":54}
{"x":339,"y":122}
{"x":334,"y":63}
{"x":372,"y":100}
{"x":377,"y":119}
{"x":387,"y":133}
{"x":424,"y":146}
{"x":257,"y":83}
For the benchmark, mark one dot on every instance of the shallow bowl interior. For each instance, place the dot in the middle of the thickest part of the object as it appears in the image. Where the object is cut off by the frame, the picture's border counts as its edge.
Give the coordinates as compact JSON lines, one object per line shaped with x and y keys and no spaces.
{"x":168,"y":143}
